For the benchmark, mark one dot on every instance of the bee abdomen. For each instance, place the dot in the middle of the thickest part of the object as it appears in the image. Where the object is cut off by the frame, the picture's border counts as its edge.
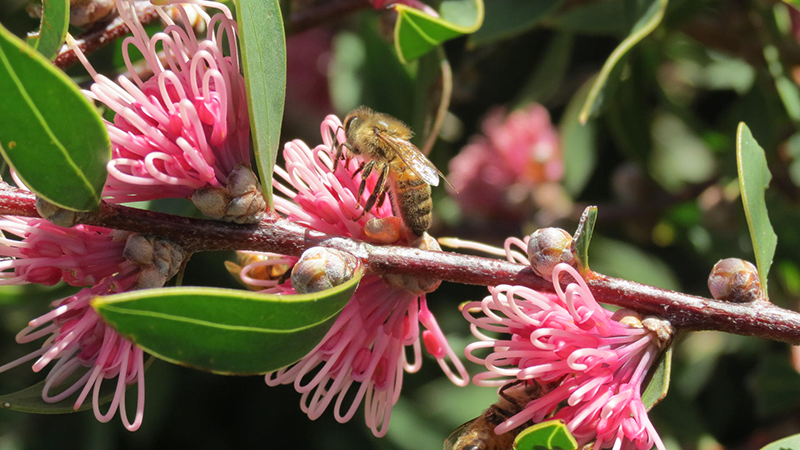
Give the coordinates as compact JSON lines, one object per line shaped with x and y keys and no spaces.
{"x":414,"y":203}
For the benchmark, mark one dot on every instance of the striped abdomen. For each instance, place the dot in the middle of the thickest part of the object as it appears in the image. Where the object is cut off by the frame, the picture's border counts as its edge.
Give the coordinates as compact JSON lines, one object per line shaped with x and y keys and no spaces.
{"x":412,"y":198}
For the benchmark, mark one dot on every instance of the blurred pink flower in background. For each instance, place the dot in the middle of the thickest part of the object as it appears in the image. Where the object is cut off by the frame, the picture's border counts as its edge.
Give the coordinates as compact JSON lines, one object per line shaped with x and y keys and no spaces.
{"x":592,"y":361}
{"x":364,"y":355}
{"x":186,"y":126}
{"x":496,"y":174}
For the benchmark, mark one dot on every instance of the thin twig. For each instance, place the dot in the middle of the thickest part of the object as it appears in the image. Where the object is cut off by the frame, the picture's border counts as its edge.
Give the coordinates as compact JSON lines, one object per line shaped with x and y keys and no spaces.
{"x":278,"y":235}
{"x":106,"y":33}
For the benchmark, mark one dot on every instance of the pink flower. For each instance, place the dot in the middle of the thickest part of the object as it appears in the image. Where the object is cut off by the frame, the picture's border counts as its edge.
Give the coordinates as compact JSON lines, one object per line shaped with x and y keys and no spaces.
{"x":363,"y":357}
{"x":495,"y":173}
{"x":186,"y":127}
{"x":593,"y":362}
{"x":77,"y":338}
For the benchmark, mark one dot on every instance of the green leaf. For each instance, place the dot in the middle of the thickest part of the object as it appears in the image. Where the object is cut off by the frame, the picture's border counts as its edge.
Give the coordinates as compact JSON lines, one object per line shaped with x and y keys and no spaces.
{"x":549,"y":435}
{"x":433,"y":87}
{"x":754,"y":178}
{"x":416,"y":33}
{"x":225,"y":331}
{"x":53,"y":28}
{"x":29,"y":400}
{"x":787,"y":443}
{"x":507,"y":18}
{"x":658,"y":385}
{"x":51,"y":134}
{"x":578,"y":142}
{"x":264,"y":60}
{"x":604,"y":18}
{"x":582,"y":237}
{"x":649,"y":14}
{"x":550,"y":71}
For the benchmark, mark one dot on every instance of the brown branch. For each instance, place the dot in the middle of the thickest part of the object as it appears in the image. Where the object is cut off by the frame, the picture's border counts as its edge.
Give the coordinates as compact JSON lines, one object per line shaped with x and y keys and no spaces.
{"x":103,"y":34}
{"x":278,"y":235}
{"x":106,"y":33}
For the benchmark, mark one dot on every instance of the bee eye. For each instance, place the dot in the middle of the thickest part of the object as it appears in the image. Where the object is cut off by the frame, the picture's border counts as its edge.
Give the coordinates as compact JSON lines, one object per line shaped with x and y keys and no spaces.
{"x":349,"y":122}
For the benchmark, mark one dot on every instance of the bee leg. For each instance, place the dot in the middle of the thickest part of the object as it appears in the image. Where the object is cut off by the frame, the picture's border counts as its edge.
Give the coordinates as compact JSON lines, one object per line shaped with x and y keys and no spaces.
{"x":508,"y":398}
{"x":378,"y":191}
{"x":367,"y":170}
{"x":339,"y":150}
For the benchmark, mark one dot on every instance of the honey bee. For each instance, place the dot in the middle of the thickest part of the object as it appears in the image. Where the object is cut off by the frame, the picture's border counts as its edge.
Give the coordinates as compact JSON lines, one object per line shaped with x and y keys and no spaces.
{"x":383,"y":142}
{"x":478,"y":434}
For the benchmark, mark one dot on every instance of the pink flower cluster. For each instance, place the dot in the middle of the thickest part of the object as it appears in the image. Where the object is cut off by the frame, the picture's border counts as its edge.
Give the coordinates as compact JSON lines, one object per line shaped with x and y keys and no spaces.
{"x":185,"y":127}
{"x":77,"y":337}
{"x":366,"y":349}
{"x":593,"y":363}
{"x":496,"y":172}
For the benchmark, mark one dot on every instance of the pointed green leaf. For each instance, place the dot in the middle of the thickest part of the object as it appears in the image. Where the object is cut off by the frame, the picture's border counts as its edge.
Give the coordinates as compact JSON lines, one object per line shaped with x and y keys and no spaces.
{"x":507,"y":18}
{"x":549,"y":73}
{"x":658,"y":385}
{"x":582,"y":237}
{"x":50,"y":134}
{"x":225,"y":331}
{"x":29,"y":400}
{"x":263,"y":47}
{"x":754,"y":178}
{"x":578,"y":143}
{"x":53,"y":28}
{"x":787,"y":443}
{"x":549,"y":435}
{"x":648,"y":14}
{"x":416,"y":33}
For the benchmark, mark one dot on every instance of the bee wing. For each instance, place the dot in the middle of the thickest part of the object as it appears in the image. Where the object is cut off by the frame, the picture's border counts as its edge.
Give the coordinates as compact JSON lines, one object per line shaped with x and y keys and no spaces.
{"x":452,"y":440}
{"x":413,"y":158}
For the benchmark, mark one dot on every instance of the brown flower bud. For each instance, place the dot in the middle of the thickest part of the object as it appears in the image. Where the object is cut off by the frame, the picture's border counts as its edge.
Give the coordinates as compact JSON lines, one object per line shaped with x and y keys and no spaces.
{"x":547,"y":248}
{"x":735,"y":280}
{"x":415,"y":284}
{"x":159,"y":257}
{"x":321,"y":268}
{"x":240,"y":201}
{"x":57,"y":215}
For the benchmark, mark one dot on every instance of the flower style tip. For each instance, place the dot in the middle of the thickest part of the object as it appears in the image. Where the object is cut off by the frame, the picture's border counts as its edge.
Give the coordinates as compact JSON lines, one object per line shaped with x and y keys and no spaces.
{"x":184,"y":128}
{"x":593,"y":361}
{"x":376,"y":339}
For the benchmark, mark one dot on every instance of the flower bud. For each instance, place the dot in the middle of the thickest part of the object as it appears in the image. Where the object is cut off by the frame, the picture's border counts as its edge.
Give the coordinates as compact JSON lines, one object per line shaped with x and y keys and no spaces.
{"x":57,"y":215}
{"x":735,"y":280}
{"x":240,"y":201}
{"x":663,"y":330}
{"x":322,"y":268}
{"x":547,"y":248}
{"x":159,"y":257}
{"x":415,"y":284}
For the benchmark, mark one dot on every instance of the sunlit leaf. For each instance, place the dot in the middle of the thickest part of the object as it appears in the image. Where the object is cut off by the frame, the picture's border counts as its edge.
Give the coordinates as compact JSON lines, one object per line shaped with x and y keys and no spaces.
{"x":264,"y":60}
{"x":582,"y":237}
{"x":658,"y":385}
{"x":29,"y":400}
{"x":53,"y":28}
{"x":51,"y":134}
{"x":507,"y":18}
{"x":224,"y":330}
{"x":754,"y":178}
{"x":416,"y":33}
{"x":549,"y":435}
{"x":787,"y":443}
{"x":649,"y":14}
